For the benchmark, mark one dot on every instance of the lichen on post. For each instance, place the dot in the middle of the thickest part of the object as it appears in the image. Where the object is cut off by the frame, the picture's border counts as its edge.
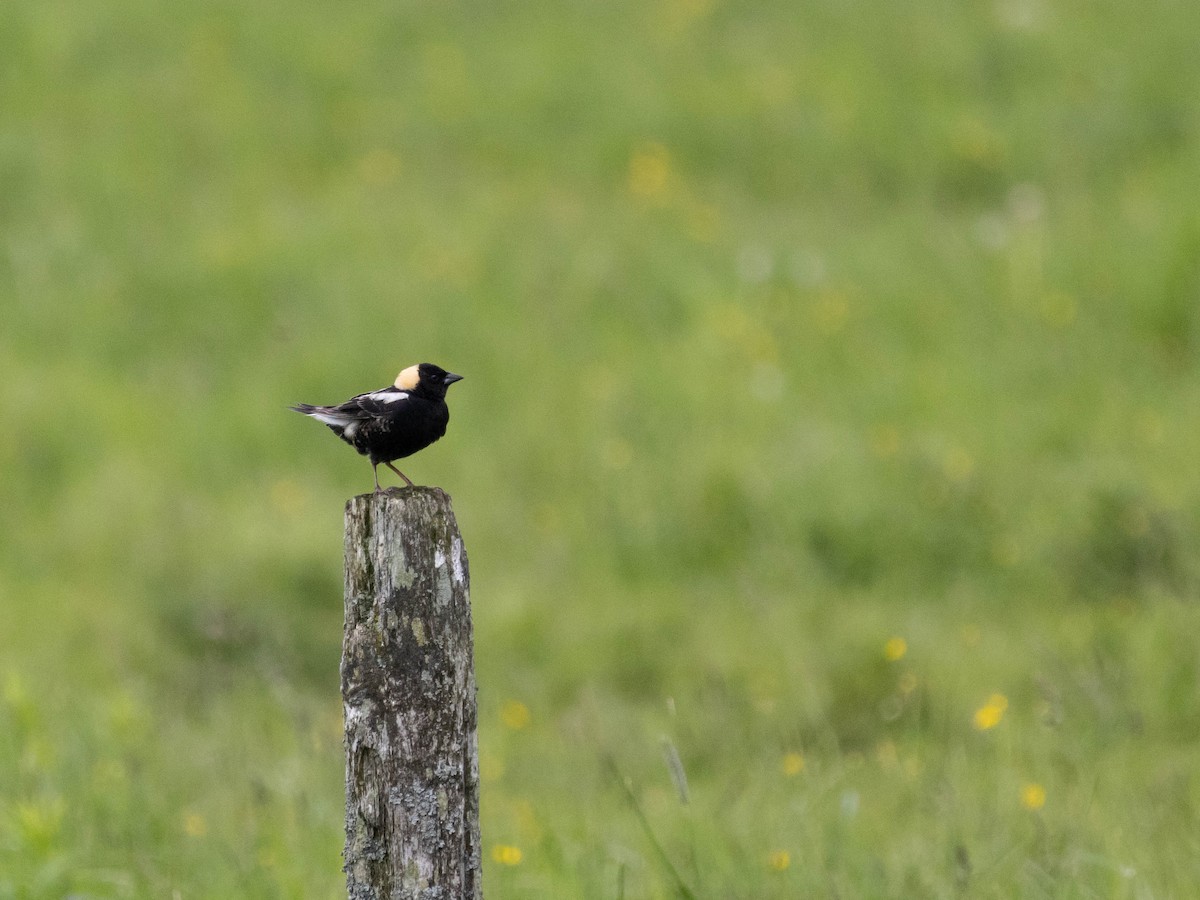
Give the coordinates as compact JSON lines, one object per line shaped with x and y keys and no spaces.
{"x":408,"y":691}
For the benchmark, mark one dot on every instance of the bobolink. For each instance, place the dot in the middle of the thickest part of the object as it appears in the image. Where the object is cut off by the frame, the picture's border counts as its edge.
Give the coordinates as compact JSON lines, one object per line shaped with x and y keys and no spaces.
{"x":393,"y":422}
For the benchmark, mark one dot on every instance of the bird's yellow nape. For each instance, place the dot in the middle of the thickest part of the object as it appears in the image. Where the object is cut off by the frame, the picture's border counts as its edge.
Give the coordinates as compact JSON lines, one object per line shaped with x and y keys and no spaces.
{"x":407,"y":380}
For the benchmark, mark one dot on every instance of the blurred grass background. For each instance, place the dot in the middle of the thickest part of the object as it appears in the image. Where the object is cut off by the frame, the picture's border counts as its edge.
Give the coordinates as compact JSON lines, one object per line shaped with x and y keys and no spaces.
{"x":829,"y":424}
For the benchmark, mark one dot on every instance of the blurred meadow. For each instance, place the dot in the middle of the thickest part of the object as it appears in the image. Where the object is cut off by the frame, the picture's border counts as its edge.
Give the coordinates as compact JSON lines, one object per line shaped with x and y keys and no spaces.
{"x":826,"y":454}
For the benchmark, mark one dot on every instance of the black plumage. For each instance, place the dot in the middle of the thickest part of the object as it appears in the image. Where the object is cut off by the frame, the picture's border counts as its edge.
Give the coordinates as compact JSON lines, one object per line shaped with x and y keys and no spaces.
{"x":392,"y":422}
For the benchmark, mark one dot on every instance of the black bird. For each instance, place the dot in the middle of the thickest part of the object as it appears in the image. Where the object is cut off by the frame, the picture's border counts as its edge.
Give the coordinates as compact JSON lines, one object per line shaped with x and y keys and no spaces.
{"x":392,"y":422}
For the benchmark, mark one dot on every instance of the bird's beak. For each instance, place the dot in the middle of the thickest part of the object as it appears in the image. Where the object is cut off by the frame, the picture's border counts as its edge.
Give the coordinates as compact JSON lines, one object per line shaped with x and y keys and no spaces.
{"x":451,"y":378}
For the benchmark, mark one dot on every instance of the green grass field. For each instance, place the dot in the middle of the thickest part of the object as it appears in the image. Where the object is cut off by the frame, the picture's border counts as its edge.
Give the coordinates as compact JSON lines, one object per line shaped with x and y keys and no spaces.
{"x":830,"y":426}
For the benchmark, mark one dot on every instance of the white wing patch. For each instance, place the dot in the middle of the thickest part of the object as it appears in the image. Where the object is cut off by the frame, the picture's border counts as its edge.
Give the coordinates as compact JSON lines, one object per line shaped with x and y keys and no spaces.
{"x":388,"y":396}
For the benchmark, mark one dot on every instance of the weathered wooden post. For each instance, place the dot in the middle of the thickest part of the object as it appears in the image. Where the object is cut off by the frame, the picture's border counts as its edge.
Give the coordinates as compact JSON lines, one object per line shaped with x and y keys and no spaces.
{"x":408,"y":689}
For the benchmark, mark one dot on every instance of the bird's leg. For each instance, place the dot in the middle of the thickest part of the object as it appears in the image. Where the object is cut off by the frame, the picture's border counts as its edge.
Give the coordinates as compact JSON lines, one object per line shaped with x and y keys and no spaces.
{"x":375,"y":472}
{"x":401,"y":474}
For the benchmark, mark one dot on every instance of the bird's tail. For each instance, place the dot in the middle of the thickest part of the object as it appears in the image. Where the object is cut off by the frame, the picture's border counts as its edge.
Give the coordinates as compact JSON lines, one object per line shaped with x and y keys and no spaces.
{"x":327,"y":414}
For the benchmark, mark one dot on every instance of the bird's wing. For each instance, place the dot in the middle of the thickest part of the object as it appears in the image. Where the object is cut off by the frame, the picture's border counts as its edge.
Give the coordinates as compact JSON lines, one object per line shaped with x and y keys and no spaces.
{"x":371,"y":405}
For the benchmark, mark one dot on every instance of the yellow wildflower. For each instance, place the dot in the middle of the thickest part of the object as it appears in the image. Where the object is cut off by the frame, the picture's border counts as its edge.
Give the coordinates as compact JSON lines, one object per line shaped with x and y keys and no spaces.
{"x":989,"y":715}
{"x":194,"y":825}
{"x":793,"y":764}
{"x":1033,"y":796}
{"x":894,"y":649}
{"x":507,"y":855}
{"x":779,"y":860}
{"x":515,"y":715}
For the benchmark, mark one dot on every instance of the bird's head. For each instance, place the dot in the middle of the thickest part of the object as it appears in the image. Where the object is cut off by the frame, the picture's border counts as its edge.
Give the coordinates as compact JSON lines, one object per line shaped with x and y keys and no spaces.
{"x":426,"y":378}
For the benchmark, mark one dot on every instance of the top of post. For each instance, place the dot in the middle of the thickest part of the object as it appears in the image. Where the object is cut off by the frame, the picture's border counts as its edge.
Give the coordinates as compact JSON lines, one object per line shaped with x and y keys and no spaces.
{"x":380,"y":499}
